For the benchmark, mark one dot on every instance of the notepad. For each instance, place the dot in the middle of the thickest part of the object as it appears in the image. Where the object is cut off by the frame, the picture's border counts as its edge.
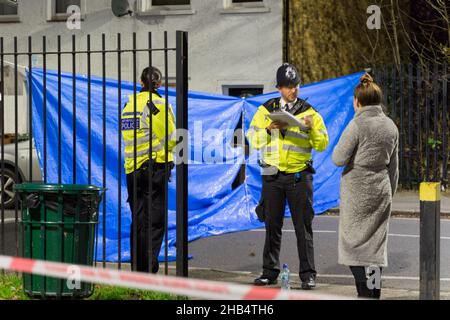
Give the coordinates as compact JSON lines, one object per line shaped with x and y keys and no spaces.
{"x":286,"y":117}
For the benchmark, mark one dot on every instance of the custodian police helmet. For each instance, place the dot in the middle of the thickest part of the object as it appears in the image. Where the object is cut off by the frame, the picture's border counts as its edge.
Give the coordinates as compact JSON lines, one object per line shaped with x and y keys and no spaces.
{"x":287,"y":76}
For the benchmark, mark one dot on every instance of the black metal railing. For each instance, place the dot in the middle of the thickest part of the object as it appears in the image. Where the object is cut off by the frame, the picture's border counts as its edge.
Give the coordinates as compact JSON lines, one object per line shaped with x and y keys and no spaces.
{"x":19,"y":173}
{"x":417,"y":99}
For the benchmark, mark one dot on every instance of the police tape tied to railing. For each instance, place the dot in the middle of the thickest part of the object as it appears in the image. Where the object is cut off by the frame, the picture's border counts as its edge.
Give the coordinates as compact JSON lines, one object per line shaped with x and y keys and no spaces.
{"x":203,"y":289}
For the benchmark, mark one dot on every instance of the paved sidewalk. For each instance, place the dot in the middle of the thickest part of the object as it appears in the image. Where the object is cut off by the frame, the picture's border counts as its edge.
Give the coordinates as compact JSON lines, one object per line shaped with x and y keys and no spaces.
{"x":344,"y":290}
{"x":324,"y":285}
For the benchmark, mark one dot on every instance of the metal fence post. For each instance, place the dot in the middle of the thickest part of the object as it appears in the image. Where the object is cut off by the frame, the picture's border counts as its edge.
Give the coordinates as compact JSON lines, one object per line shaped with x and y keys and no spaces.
{"x":181,"y":170}
{"x":429,"y":193}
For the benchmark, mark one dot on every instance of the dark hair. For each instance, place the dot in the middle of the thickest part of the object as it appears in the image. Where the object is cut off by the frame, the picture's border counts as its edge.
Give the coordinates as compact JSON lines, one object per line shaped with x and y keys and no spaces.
{"x":368,"y":92}
{"x":151,"y":78}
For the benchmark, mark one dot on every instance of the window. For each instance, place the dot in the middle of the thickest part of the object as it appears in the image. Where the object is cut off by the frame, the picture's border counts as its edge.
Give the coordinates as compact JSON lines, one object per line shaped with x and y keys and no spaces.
{"x":62,"y":5}
{"x":244,"y":91}
{"x":245,"y":6}
{"x":162,"y":7}
{"x":9,"y":11}
{"x":248,"y":3}
{"x":57,"y":9}
{"x":171,"y":3}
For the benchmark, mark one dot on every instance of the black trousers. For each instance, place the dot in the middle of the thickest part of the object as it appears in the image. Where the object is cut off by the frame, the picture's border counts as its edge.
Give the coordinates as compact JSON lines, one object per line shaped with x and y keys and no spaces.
{"x":141,"y":216}
{"x":276,"y":189}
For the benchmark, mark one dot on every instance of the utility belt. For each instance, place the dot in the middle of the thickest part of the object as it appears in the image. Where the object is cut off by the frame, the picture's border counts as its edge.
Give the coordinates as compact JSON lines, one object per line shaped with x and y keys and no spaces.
{"x":309,"y":168}
{"x":156,"y":165}
{"x":284,"y":173}
{"x":158,"y":172}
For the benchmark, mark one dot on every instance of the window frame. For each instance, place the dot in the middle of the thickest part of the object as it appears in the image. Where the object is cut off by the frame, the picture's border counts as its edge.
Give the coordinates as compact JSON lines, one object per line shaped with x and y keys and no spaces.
{"x":245,"y":7}
{"x":226,"y":87}
{"x":146,"y":7}
{"x":247,"y":4}
{"x":11,"y":17}
{"x":52,"y":16}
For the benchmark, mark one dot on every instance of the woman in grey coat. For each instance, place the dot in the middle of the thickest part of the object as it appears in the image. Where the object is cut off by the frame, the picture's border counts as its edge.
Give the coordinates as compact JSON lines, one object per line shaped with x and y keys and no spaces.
{"x":368,"y":148}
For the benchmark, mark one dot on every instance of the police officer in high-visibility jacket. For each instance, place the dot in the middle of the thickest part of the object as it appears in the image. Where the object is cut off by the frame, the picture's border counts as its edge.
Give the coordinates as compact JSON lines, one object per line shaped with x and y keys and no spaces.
{"x":150,"y":112}
{"x":287,"y":174}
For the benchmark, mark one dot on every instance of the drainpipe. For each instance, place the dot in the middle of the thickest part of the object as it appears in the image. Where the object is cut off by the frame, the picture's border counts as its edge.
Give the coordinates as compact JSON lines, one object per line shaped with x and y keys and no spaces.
{"x":286,"y":24}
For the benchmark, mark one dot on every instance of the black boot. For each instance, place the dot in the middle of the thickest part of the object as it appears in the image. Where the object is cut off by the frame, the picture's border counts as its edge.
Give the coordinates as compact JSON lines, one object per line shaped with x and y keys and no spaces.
{"x":363,"y":291}
{"x":265,"y":281}
{"x":376,"y":293}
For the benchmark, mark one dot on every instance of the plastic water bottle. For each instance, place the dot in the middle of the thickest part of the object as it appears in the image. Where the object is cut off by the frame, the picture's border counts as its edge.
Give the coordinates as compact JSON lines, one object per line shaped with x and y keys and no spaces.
{"x":285,"y":278}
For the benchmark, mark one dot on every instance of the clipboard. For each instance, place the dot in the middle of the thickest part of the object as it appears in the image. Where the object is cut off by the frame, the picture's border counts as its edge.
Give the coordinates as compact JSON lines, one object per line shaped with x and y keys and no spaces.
{"x":286,"y":117}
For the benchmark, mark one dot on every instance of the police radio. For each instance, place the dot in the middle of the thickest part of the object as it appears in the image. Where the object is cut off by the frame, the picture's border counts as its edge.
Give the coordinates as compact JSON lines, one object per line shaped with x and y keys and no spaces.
{"x":152,"y":107}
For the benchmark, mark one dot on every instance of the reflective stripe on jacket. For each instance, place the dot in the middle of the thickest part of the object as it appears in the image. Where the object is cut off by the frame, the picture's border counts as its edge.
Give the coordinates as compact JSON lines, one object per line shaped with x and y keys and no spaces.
{"x":142,"y":121}
{"x":287,"y":149}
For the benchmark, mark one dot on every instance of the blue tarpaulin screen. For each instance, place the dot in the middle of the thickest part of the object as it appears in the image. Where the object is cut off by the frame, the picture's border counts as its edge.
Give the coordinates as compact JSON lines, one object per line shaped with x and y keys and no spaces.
{"x":214,"y":206}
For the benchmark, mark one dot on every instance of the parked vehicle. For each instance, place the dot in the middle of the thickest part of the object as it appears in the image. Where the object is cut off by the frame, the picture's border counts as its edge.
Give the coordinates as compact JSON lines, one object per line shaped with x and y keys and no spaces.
{"x":8,"y":175}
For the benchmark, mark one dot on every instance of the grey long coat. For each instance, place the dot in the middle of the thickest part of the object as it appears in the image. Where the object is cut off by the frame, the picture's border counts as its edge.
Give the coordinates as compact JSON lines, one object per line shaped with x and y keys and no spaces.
{"x":368,"y":148}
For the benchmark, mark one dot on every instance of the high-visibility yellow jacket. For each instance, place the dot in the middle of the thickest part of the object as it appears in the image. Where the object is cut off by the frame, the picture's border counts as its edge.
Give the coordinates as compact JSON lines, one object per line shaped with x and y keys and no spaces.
{"x":144,"y":109}
{"x":288,"y":149}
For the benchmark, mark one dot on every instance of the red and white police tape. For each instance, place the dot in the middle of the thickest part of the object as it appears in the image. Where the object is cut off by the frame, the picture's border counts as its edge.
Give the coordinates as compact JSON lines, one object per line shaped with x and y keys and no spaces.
{"x":203,"y":289}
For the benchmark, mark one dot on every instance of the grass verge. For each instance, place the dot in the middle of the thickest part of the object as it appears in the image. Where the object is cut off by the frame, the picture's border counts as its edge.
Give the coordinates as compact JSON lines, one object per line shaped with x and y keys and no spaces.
{"x":11,"y":289}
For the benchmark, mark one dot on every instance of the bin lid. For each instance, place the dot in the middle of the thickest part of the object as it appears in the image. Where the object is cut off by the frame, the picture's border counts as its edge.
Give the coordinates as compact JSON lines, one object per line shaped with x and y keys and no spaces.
{"x":67,"y":188}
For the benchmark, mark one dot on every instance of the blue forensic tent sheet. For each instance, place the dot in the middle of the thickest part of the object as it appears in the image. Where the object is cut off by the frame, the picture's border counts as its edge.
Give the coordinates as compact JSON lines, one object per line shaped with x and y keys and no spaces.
{"x":214,"y":207}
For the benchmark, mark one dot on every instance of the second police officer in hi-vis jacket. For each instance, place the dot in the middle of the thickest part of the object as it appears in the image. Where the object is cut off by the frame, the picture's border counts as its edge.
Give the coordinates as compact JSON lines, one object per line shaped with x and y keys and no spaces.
{"x":287,"y":174}
{"x":150,"y":111}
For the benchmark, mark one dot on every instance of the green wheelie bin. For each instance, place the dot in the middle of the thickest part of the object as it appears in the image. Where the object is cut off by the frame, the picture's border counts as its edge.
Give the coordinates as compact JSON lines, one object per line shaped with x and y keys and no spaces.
{"x":58,"y":224}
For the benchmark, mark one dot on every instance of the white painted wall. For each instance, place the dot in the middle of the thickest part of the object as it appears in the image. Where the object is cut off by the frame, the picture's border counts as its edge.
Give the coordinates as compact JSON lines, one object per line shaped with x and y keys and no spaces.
{"x":22,"y":111}
{"x":10,"y":103}
{"x":224,"y":48}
